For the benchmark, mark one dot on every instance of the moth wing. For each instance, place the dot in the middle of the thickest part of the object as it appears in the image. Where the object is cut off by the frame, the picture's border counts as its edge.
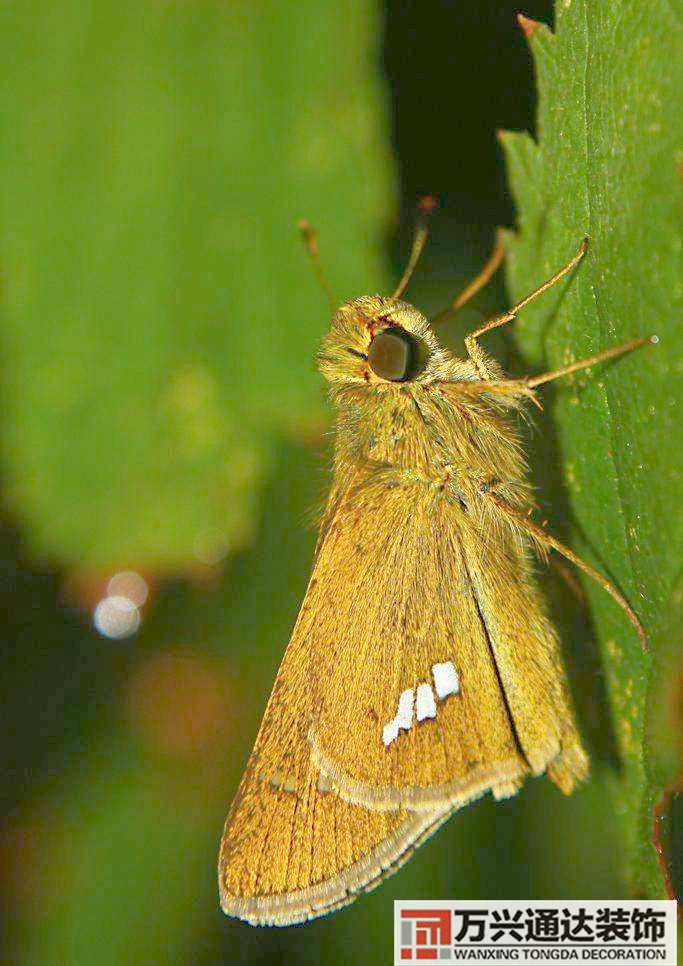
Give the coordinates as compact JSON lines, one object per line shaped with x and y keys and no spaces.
{"x":411,"y":710}
{"x":292,"y":849}
{"x":527,"y":655}
{"x":409,"y":707}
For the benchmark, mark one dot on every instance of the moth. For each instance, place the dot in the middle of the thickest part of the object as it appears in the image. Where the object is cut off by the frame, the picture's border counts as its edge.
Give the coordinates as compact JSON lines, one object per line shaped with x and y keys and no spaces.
{"x":423,"y":670}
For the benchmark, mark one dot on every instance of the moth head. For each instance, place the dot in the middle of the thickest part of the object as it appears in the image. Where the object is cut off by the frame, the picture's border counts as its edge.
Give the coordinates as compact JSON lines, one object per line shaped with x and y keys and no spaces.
{"x":379,"y":342}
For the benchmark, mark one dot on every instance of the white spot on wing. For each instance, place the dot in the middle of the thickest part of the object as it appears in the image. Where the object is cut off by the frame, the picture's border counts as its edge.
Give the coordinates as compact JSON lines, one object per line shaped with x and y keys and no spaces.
{"x":445,"y":679}
{"x":324,"y":784}
{"x":390,"y":732}
{"x":426,"y":705}
{"x":419,"y":704}
{"x":403,"y":719}
{"x":289,"y":784}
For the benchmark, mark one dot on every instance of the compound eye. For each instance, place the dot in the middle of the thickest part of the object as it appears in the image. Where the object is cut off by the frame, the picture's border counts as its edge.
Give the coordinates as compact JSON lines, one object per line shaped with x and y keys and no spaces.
{"x":393,"y":355}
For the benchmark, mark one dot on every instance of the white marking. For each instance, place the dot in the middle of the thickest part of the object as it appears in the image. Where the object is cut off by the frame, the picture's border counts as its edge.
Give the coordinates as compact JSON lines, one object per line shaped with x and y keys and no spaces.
{"x":276,"y":778}
{"x":421,"y":705}
{"x":390,"y":732}
{"x":403,"y":719}
{"x":324,"y":784}
{"x":445,"y":679}
{"x":425,"y":706}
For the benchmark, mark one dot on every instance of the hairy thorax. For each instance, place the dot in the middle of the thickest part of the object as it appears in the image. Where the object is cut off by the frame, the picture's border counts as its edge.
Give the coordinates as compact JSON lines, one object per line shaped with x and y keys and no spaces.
{"x":427,"y":435}
{"x":427,"y":428}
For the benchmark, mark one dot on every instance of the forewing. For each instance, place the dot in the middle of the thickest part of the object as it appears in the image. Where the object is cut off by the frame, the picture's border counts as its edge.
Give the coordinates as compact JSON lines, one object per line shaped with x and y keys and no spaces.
{"x":409,"y":709}
{"x":292,"y":849}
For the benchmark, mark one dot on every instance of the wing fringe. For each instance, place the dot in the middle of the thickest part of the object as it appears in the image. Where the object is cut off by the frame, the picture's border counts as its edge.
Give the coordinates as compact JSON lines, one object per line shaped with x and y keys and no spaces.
{"x":291,"y":908}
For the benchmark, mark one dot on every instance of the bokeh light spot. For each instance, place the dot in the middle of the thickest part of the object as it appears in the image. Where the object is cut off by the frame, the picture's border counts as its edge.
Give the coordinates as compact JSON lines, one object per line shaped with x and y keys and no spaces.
{"x":211,"y":546}
{"x":116,"y":616}
{"x":130,"y":584}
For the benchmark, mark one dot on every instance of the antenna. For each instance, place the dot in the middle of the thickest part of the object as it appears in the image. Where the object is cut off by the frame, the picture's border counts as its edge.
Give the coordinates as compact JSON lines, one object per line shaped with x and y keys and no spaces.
{"x":476,"y":284}
{"x":309,"y":236}
{"x":425,"y":207}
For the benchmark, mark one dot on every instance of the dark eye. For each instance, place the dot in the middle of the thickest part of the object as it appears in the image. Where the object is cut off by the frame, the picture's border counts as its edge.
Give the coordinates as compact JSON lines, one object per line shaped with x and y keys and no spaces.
{"x":394,"y":355}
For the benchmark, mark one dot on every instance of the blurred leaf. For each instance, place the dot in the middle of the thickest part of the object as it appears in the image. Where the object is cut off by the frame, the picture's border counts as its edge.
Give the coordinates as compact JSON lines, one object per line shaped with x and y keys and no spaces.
{"x":607,"y":165}
{"x":118,"y":856}
{"x":159,"y":316}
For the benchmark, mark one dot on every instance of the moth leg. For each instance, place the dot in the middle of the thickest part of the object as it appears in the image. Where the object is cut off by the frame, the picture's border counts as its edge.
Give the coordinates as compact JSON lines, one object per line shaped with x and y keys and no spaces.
{"x":476,"y":353}
{"x":570,"y":580}
{"x":526,"y":385}
{"x":617,"y":350}
{"x":545,"y":541}
{"x":490,"y":268}
{"x":499,"y":387}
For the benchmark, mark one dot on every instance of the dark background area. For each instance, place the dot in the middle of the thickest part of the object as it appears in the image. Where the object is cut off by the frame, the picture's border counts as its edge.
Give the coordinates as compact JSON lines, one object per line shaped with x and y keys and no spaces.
{"x":470,"y":63}
{"x":464,"y":61}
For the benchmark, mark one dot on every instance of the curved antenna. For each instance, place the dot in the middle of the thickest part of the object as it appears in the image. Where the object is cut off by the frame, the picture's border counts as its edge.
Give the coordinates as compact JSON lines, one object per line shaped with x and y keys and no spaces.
{"x":425,"y":207}
{"x":309,"y":236}
{"x":489,"y":269}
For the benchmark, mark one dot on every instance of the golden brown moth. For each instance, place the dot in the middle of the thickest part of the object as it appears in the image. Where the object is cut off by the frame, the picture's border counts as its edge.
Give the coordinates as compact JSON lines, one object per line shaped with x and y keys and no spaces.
{"x":423,"y":670}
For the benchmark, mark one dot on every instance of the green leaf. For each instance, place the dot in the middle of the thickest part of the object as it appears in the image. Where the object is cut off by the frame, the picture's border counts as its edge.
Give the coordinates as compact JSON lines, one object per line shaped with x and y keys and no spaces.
{"x":159,"y":316}
{"x":607,"y":165}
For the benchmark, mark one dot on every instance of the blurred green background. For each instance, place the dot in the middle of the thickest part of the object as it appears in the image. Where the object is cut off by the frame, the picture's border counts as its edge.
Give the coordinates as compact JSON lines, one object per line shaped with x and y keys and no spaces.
{"x":161,"y":416}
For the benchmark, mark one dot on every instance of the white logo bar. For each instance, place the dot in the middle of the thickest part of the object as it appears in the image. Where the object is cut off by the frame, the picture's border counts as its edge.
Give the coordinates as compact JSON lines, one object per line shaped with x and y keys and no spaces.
{"x":535,"y":932}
